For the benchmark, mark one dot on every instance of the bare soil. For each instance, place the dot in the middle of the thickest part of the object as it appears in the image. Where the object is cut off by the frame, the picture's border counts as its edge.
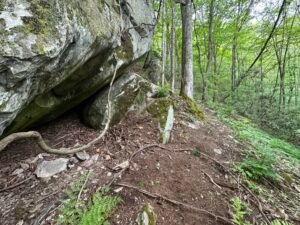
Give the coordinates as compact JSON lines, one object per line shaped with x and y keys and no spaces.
{"x":183,"y":176}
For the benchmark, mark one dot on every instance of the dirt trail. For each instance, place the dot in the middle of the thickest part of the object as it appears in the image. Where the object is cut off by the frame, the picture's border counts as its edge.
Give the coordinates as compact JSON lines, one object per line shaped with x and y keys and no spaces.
{"x":187,"y":177}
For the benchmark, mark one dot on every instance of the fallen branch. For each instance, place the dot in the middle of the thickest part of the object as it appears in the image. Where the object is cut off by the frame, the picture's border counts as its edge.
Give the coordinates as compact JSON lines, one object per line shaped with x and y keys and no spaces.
{"x":177,"y":203}
{"x":212,"y":181}
{"x":82,"y":187}
{"x":16,"y":185}
{"x":62,"y":151}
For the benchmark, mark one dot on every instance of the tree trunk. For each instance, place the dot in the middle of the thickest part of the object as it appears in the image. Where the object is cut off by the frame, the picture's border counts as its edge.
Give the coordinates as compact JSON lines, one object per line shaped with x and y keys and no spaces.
{"x":163,"y":46}
{"x":187,"y":50}
{"x":173,"y":45}
{"x":210,"y":52}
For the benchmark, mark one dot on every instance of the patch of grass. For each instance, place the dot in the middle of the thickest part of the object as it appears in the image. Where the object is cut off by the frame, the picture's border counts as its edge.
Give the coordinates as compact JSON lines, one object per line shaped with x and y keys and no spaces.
{"x":268,"y":157}
{"x":78,"y":212}
{"x":240,"y":210}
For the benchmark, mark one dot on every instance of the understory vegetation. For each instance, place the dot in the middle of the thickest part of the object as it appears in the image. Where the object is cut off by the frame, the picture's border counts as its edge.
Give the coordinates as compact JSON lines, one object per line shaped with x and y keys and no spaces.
{"x":74,"y":211}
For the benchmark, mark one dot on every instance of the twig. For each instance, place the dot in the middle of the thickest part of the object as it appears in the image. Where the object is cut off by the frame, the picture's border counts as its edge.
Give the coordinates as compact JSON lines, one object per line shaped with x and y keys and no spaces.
{"x":82,"y":187}
{"x":16,"y":185}
{"x":175,"y":202}
{"x":211,"y":180}
{"x":47,"y":196}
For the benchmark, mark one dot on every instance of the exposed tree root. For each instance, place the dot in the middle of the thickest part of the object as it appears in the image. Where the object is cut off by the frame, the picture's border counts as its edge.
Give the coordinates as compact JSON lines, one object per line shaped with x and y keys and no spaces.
{"x":61,"y":151}
{"x":177,"y":203}
{"x":16,"y":185}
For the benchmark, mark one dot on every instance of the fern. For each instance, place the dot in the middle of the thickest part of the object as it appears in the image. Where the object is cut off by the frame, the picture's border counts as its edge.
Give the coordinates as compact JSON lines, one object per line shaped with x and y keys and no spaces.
{"x":70,"y":210}
{"x":280,"y":222}
{"x":96,"y":212}
{"x":99,"y":210}
{"x":240,"y":210}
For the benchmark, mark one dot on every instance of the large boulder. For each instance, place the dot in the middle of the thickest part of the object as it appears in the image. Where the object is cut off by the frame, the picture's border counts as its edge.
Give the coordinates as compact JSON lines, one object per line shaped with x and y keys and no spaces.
{"x":55,"y":54}
{"x":128,"y":90}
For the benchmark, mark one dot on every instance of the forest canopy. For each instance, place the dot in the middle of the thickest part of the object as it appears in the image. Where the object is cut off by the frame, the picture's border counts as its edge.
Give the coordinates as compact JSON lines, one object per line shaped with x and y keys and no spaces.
{"x":245,"y":56}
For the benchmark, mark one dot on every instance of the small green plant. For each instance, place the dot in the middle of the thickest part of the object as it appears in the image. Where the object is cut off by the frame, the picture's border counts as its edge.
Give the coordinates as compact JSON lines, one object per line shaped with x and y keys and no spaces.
{"x":240,"y":210}
{"x":78,"y":212}
{"x":71,"y":210}
{"x":196,"y":152}
{"x":280,"y":222}
{"x":163,"y":91}
{"x":257,"y":168}
{"x":99,"y":209}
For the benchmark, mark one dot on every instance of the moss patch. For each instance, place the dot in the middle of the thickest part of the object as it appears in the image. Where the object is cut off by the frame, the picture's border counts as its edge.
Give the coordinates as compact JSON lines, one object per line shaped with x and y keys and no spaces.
{"x":194,"y":109}
{"x":159,"y":109}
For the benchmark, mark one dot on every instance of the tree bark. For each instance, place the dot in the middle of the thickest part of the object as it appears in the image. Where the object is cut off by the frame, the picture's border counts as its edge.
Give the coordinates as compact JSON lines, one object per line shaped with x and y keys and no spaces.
{"x":163,"y":43}
{"x":187,"y":50}
{"x":173,"y":44}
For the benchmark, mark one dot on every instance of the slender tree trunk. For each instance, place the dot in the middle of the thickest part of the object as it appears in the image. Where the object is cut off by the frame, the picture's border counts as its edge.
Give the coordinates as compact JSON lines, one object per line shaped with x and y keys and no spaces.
{"x":210,"y":53}
{"x":173,"y":44}
{"x":187,"y":49}
{"x":163,"y":46}
{"x":233,"y":66}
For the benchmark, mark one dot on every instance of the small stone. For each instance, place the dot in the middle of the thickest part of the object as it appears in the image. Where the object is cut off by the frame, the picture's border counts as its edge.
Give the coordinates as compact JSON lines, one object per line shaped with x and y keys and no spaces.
{"x":91,"y":161}
{"x":20,"y":222}
{"x":107,"y":157}
{"x":118,"y":190}
{"x":17,"y":172}
{"x":82,"y":156}
{"x":49,"y":168}
{"x":73,"y":160}
{"x":218,"y":151}
{"x":157,"y":166}
{"x":147,"y":216}
{"x":109,"y":174}
{"x":24,"y":166}
{"x":122,"y":165}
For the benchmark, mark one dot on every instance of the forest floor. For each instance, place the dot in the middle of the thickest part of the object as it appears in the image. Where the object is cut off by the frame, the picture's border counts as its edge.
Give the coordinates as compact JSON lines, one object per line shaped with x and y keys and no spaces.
{"x":185,"y":170}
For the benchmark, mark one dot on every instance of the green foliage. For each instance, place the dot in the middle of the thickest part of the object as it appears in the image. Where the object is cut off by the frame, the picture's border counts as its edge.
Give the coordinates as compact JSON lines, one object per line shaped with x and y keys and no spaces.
{"x":99,"y":209}
{"x":280,"y":222}
{"x":163,"y":91}
{"x":267,"y":152}
{"x":240,"y":210}
{"x":70,"y":211}
{"x":196,"y":152}
{"x":77,"y":212}
{"x":259,"y":168}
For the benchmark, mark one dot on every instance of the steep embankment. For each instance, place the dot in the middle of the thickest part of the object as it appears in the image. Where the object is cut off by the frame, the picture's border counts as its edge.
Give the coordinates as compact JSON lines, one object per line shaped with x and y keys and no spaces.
{"x":183,"y":180}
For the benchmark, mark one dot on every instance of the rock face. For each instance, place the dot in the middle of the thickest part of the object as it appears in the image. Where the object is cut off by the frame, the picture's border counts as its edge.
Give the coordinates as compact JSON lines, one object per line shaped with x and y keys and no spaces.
{"x":55,"y":54}
{"x":162,"y":109}
{"x":123,"y":95}
{"x":50,"y":168}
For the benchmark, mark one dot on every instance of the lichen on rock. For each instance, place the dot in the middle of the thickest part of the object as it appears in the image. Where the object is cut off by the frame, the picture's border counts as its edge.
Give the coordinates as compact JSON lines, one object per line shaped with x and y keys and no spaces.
{"x":64,"y":51}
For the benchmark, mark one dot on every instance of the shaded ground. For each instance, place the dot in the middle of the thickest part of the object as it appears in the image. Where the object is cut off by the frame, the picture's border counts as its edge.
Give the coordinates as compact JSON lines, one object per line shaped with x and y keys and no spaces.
{"x":182,"y":176}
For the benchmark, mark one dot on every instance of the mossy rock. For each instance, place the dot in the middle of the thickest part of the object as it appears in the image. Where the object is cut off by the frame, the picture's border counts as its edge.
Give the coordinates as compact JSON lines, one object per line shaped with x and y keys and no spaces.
{"x":159,"y":109}
{"x":147,"y":216}
{"x":162,"y":109}
{"x":194,"y":109}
